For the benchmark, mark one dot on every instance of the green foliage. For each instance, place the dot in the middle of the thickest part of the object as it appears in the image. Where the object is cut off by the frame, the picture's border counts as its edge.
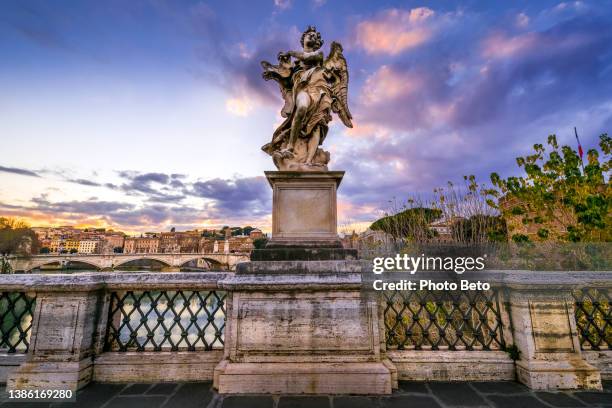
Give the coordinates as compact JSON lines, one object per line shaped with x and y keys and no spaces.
{"x":520,"y":238}
{"x":73,"y":251}
{"x":569,"y":202}
{"x":543,"y":233}
{"x":410,"y":224}
{"x":44,"y":250}
{"x":480,"y":228}
{"x":517,"y":210}
{"x":513,"y":351}
{"x":16,"y":238}
{"x":260,"y":243}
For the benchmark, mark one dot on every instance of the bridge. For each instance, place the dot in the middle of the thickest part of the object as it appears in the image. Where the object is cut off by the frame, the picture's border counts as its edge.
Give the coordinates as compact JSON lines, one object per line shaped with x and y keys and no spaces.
{"x":172,"y":261}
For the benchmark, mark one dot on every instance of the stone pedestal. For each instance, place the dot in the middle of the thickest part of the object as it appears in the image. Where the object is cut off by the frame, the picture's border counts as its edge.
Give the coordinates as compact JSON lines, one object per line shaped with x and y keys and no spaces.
{"x":298,"y":322}
{"x":304,"y":208}
{"x":545,"y":333}
{"x":61,"y":347}
{"x":301,"y":328}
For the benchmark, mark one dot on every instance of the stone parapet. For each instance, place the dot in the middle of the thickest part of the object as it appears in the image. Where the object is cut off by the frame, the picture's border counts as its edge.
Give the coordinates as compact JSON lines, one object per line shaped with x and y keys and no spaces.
{"x":301,"y":319}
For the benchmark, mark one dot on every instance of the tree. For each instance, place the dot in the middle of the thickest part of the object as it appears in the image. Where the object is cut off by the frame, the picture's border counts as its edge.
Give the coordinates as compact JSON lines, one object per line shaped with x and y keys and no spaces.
{"x":479,"y":228}
{"x":118,"y":250}
{"x":73,"y":250}
{"x":44,"y":250}
{"x":557,"y":198}
{"x":173,"y":229}
{"x":411,"y":224}
{"x":260,"y":243}
{"x":16,"y":238}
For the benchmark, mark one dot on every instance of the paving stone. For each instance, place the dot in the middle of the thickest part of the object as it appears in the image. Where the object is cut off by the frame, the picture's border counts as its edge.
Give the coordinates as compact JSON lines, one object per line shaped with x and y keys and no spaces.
{"x":303,"y":402}
{"x":409,"y":401}
{"x":452,"y":394}
{"x":92,"y":396}
{"x":593,"y":397}
{"x":500,"y":387}
{"x":191,"y":395}
{"x":355,"y":402}
{"x":140,"y":401}
{"x":162,"y":389}
{"x":136,"y":389}
{"x":559,"y":399}
{"x":516,"y":401}
{"x":411,"y":386}
{"x":247,"y":402}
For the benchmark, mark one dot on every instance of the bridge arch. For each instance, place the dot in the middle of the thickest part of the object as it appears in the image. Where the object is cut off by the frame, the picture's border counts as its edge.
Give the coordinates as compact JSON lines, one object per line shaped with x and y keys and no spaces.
{"x":210,"y":259}
{"x":63,"y":262}
{"x":122,"y":261}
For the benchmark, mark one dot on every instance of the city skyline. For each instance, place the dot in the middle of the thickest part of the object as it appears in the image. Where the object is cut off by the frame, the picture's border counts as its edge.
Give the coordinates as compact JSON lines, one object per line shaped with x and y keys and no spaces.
{"x":124,"y":115}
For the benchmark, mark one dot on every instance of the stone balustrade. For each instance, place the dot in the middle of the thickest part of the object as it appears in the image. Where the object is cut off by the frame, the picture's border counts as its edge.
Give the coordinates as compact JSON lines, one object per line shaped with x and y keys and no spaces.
{"x":546,"y":329}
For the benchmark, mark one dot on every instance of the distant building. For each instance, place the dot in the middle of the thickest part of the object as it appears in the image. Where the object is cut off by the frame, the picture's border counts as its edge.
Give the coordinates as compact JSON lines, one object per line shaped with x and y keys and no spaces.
{"x":71,"y":245}
{"x":375,"y":240}
{"x":256,"y":233}
{"x":109,"y":242}
{"x":88,"y":246}
{"x":168,"y":243}
{"x":350,"y":241}
{"x":206,"y":245}
{"x":443,"y":227}
{"x":141,"y":245}
{"x":240,"y":244}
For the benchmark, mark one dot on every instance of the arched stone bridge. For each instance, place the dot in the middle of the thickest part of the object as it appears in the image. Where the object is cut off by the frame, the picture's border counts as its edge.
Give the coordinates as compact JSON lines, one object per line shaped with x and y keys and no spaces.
{"x":112,"y":261}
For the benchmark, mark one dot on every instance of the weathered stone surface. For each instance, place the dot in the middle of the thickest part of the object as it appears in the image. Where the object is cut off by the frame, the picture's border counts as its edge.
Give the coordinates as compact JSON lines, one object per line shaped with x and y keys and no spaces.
{"x":304,"y":254}
{"x":61,"y":351}
{"x":304,"y":378}
{"x":440,"y":365}
{"x":304,"y":267}
{"x":544,"y":331}
{"x":601,"y":359}
{"x":156,"y":366}
{"x":304,"y":207}
{"x":332,"y":324}
{"x":302,"y":334}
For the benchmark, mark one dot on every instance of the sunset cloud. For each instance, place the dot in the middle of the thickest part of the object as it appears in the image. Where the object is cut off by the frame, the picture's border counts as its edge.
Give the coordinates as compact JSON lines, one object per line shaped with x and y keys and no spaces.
{"x":394,"y":31}
{"x":387,"y":84}
{"x":502,"y":46}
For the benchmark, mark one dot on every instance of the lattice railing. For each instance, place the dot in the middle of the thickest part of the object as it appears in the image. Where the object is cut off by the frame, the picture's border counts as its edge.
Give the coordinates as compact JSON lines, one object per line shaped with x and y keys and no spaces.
{"x":166,"y":321}
{"x":16,"y":311}
{"x":443,"y":320}
{"x":594,"y":318}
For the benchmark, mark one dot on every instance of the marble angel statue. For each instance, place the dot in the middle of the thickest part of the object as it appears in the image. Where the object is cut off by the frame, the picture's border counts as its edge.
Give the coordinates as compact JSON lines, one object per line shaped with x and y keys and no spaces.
{"x":312,"y":87}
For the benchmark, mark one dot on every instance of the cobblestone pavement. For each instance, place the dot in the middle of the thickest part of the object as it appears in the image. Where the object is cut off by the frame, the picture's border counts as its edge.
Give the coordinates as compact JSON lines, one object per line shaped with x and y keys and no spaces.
{"x":410,"y":395}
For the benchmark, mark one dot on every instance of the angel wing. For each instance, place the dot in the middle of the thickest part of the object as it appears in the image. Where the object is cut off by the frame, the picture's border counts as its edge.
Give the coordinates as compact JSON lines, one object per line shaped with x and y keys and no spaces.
{"x":335,"y":64}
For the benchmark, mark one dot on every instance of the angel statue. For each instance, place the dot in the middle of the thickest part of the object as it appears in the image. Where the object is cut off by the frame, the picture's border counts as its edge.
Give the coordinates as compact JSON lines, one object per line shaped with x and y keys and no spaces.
{"x":312,"y":88}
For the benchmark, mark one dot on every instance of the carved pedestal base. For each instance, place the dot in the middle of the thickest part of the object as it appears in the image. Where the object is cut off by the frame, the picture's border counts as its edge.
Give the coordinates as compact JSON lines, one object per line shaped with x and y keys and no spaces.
{"x":309,"y":330}
{"x":545,"y":334}
{"x":61,"y":347}
{"x":573,"y":373}
{"x":51,"y":375}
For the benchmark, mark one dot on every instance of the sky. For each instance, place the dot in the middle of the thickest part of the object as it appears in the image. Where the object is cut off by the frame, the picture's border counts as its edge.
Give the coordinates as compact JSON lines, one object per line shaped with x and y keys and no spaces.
{"x":150,"y":114}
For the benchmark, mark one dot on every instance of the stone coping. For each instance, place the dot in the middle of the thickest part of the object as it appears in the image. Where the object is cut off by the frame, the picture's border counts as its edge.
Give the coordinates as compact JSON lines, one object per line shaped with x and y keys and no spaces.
{"x":111,"y":281}
{"x":317,"y":276}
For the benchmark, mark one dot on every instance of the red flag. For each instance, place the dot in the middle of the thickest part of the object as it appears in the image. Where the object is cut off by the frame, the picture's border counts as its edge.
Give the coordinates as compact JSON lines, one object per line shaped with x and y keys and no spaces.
{"x":580,"y":152}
